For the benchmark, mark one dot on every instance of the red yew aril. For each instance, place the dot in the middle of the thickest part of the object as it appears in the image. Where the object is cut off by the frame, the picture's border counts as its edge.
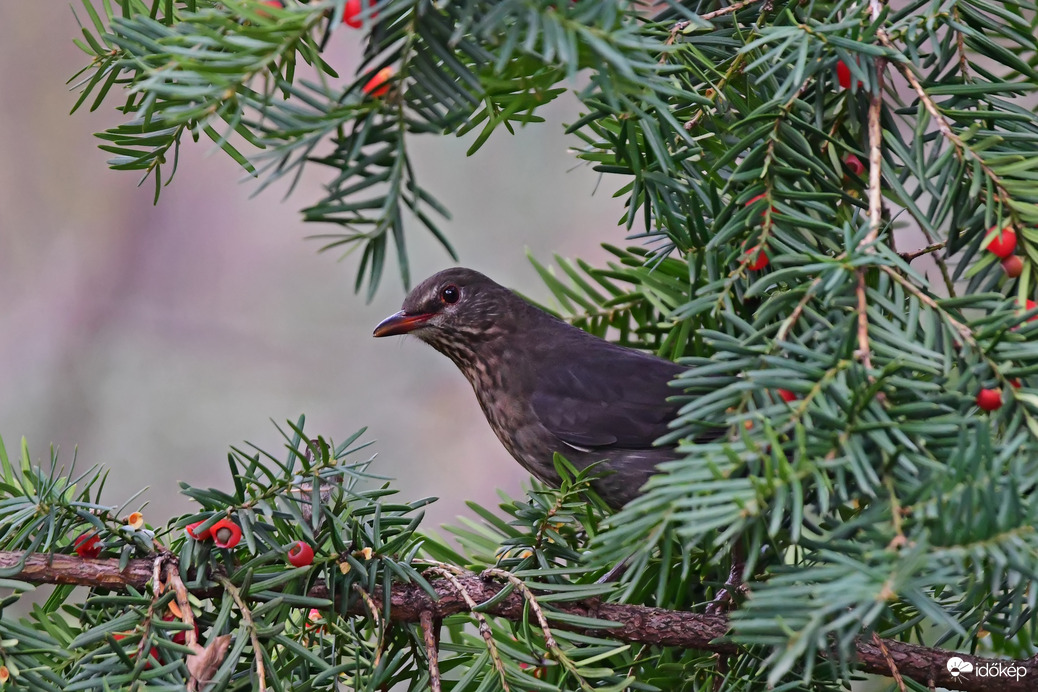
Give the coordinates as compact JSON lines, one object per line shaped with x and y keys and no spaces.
{"x":300,"y":554}
{"x":195,"y":533}
{"x":378,"y":85}
{"x":119,"y":636}
{"x":351,"y":13}
{"x":854,"y":164}
{"x":225,"y":533}
{"x":180,"y":636}
{"x":277,"y":4}
{"x":87,"y":544}
{"x":843,"y":74}
{"x":1003,"y":243}
{"x":763,"y":195}
{"x":989,"y":399}
{"x":1013,"y":266}
{"x":752,"y":258}
{"x":756,"y":258}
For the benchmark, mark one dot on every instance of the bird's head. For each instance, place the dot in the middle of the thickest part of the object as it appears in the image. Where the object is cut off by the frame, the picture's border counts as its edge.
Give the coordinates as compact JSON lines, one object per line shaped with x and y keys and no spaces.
{"x":453,"y":309}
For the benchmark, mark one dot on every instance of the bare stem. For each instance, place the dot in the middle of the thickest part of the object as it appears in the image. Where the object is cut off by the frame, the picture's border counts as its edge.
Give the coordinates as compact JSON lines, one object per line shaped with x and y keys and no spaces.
{"x":429,"y":636}
{"x":890,"y":662}
{"x":932,"y":247}
{"x":448,"y":573}
{"x":373,"y":611}
{"x":246,"y":616}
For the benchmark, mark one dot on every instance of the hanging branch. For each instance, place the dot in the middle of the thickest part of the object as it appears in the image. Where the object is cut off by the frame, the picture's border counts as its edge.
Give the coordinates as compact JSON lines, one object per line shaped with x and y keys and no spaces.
{"x":429,"y":636}
{"x":633,"y":623}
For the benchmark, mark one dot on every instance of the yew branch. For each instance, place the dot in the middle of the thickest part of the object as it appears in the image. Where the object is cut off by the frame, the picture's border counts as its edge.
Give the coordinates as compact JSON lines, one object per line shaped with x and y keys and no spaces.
{"x":629,"y":623}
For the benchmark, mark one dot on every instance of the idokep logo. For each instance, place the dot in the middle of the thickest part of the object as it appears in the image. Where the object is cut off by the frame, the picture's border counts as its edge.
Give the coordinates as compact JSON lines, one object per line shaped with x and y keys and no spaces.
{"x":956,"y":666}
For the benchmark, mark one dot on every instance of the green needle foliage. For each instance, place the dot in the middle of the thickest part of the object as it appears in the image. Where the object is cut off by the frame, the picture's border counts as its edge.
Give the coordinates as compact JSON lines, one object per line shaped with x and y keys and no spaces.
{"x":787,"y":169}
{"x":296,"y":620}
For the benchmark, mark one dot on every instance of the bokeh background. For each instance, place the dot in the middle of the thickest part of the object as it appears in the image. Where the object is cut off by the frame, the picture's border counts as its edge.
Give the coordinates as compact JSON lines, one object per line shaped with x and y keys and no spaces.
{"x":151,"y":338}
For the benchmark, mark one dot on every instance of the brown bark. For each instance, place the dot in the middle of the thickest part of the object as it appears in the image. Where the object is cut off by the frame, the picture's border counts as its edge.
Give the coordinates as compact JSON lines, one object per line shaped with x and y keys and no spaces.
{"x":634,"y":623}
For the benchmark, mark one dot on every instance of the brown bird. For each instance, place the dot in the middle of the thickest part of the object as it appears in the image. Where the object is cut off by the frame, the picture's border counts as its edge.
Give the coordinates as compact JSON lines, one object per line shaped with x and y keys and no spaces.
{"x":546,"y":386}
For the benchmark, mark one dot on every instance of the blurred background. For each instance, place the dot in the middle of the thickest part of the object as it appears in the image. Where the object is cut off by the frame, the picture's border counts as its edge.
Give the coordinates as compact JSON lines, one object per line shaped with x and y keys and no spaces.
{"x":150,"y":339}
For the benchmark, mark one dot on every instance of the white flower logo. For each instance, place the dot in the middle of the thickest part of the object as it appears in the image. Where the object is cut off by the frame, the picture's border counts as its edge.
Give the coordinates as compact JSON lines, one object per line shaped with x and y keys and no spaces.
{"x":956,"y":666}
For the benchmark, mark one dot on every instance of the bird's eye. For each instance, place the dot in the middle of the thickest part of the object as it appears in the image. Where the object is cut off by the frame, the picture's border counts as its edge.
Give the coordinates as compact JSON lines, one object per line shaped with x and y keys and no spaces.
{"x":450,"y":294}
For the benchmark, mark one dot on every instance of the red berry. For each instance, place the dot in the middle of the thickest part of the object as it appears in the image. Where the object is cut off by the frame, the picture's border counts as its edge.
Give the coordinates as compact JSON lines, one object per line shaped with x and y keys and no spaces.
{"x":87,"y":544}
{"x":749,"y":202}
{"x":854,"y":164}
{"x":351,"y":13}
{"x":752,"y":200}
{"x":192,"y":530}
{"x":1028,"y":306}
{"x":787,"y":395}
{"x":118,"y":636}
{"x":378,"y":85}
{"x":989,"y":399}
{"x":1003,"y":243}
{"x":755,"y":258}
{"x":1013,"y":266}
{"x":752,"y":258}
{"x":1015,"y":382}
{"x":300,"y":554}
{"x":314,"y":621}
{"x":225,"y":533}
{"x":270,"y":3}
{"x":180,"y":636}
{"x":843,"y":74}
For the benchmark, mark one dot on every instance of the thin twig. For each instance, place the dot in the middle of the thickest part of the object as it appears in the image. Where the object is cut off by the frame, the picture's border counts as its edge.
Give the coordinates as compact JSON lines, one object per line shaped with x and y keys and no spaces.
{"x":890,"y":662}
{"x":447,"y":572}
{"x":962,"y":329}
{"x":867,"y":243}
{"x":373,"y":609}
{"x":156,"y":577}
{"x":960,"y":47}
{"x":944,"y":128}
{"x":681,"y":26}
{"x":156,"y":591}
{"x":727,"y":10}
{"x":246,"y":616}
{"x":788,"y":323}
{"x":187,"y":615}
{"x":735,"y":68}
{"x":961,"y":150}
{"x":875,"y":158}
{"x":932,"y":247}
{"x":429,"y":636}
{"x":725,"y":596}
{"x":863,"y":325}
{"x":549,"y":639}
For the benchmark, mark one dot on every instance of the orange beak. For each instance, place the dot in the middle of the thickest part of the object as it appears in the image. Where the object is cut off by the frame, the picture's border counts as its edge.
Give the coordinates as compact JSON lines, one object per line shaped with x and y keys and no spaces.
{"x":400,"y":323}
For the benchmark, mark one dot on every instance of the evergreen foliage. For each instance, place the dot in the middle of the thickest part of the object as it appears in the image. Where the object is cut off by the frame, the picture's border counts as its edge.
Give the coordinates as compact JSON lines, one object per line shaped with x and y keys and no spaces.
{"x":775,"y":159}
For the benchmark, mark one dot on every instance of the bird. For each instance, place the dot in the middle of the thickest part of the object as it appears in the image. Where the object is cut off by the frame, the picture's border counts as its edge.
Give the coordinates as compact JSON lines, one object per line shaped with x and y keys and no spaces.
{"x":546,"y":386}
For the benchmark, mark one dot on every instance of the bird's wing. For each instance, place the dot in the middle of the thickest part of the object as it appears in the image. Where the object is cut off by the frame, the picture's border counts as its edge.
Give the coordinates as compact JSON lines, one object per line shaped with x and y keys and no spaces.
{"x":613,"y":398}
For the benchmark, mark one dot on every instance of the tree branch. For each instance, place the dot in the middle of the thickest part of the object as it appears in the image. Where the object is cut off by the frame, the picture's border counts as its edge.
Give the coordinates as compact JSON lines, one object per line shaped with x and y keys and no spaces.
{"x":633,"y":623}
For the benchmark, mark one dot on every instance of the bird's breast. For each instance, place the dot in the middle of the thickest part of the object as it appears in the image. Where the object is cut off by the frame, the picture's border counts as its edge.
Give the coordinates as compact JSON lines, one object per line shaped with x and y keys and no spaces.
{"x":502,"y":394}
